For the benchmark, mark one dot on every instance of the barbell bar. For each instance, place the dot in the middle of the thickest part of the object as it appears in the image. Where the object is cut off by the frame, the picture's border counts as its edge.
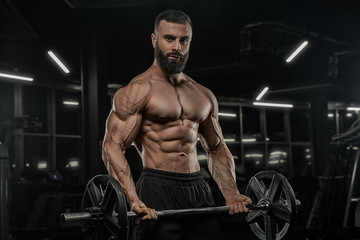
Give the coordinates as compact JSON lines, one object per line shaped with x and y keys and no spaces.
{"x":80,"y":218}
{"x":104,"y":207}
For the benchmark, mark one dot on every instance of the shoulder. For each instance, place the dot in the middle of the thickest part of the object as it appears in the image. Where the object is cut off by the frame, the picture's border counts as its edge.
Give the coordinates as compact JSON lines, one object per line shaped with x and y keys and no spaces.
{"x":206,"y":91}
{"x":133,"y":96}
{"x":138,"y":86}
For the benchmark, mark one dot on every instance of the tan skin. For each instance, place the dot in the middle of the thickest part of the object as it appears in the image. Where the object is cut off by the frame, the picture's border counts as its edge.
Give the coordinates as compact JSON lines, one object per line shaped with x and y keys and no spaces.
{"x":163,"y":115}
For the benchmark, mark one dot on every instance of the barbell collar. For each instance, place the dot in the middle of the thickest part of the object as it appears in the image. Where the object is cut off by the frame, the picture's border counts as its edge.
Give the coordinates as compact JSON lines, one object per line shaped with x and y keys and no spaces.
{"x":74,"y":219}
{"x":93,"y":214}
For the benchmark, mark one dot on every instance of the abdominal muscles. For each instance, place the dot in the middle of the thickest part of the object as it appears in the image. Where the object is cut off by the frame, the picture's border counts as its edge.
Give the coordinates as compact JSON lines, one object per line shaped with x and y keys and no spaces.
{"x":170,"y":146}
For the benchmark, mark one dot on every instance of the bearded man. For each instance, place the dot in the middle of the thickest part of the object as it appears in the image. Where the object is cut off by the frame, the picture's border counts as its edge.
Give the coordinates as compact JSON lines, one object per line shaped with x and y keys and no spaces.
{"x":164,"y":112}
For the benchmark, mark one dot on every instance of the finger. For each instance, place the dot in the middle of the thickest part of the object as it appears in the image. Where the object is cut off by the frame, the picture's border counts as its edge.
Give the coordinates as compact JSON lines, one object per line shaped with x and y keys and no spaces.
{"x":236,"y":208}
{"x":153,"y":214}
{"x":231,"y":211}
{"x":240,"y":207}
{"x":246,"y":207}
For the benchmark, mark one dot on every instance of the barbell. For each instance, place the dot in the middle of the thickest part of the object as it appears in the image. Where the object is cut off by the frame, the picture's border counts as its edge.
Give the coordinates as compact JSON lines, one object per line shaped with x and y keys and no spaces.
{"x":105,"y":211}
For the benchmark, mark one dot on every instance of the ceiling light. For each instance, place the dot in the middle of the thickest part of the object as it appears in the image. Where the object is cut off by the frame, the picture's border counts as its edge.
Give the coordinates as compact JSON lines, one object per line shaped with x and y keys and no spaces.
{"x":42,"y":165}
{"x":73,"y":164}
{"x":353,"y":108}
{"x":16,"y":77}
{"x":58,"y":62}
{"x":262,"y":93}
{"x":230,"y":139}
{"x":254,"y":155}
{"x":202,"y":157}
{"x":71,"y":103}
{"x":297,"y":51}
{"x":227,"y":114}
{"x":277,"y":153}
{"x":282,"y":105}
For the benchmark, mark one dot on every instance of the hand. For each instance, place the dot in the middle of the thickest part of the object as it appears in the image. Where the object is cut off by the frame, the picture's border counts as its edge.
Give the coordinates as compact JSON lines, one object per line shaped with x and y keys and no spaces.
{"x":238,"y":203}
{"x":144,"y":213}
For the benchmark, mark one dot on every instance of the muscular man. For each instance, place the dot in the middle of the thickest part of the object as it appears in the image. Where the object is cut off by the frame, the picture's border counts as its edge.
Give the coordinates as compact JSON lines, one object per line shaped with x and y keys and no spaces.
{"x":164,"y":112}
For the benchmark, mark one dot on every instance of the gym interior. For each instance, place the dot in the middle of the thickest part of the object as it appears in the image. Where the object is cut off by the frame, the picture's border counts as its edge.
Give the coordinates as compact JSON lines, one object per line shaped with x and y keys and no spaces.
{"x":297,"y":116}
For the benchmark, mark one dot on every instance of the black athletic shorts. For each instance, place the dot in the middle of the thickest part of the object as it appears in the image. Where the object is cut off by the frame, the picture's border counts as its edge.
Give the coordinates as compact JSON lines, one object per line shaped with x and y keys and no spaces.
{"x":163,"y":190}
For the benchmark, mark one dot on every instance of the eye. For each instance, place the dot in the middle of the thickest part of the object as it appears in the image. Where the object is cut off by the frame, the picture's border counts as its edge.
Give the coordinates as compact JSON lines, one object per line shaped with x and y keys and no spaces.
{"x":169,"y":38}
{"x":184,"y":41}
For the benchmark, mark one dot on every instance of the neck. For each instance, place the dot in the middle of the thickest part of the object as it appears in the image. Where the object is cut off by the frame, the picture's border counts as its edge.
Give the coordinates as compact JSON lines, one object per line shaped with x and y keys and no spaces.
{"x":172,"y":78}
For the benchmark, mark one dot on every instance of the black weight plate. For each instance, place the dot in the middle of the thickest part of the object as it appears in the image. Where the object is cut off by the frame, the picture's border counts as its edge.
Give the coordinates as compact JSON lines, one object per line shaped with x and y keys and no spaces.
{"x":272,"y":188}
{"x":105,"y":192}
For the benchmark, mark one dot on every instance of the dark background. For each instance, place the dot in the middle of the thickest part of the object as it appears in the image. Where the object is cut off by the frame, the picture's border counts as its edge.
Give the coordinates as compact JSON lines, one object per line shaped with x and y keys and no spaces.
{"x":238,"y":47}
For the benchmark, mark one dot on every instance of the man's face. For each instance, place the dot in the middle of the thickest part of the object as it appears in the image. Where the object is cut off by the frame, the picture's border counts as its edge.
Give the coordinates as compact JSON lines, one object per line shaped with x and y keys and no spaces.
{"x":172,"y":45}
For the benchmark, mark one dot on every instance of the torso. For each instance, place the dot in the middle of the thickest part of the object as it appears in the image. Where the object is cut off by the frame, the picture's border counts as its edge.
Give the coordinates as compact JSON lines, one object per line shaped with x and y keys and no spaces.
{"x":171,"y":117}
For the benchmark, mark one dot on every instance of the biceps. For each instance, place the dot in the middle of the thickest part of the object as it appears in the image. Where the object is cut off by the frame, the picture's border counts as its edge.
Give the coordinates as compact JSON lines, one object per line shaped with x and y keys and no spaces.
{"x":211,"y":134}
{"x":121,"y":133}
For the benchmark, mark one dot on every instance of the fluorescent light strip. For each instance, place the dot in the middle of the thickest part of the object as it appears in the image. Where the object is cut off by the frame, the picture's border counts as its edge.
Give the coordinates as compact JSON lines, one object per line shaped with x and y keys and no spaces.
{"x":262,"y":93}
{"x":227,"y":114}
{"x":273,"y":104}
{"x":297,"y":51}
{"x":230,"y":139}
{"x":276,"y":153}
{"x":353,"y":108}
{"x":202,"y":157}
{"x":57,"y":60}
{"x":16,"y":77}
{"x":277,"y":161}
{"x":73,"y":164}
{"x":42,"y":165}
{"x":254,"y":155}
{"x":70,"y":103}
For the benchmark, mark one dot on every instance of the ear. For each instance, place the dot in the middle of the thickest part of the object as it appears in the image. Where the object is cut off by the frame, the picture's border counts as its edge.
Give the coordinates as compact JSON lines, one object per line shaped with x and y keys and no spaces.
{"x":153,"y":40}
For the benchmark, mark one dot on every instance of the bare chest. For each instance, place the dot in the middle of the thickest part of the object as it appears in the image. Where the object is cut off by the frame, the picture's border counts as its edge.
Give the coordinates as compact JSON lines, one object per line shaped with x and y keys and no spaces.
{"x":184,"y":101}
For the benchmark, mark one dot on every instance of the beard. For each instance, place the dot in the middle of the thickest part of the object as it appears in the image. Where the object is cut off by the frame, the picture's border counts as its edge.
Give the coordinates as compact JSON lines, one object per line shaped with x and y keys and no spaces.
{"x":170,"y":66}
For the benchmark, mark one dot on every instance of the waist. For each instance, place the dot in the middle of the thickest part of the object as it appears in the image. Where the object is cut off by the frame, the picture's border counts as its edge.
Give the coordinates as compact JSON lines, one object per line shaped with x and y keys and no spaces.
{"x":171,"y":176}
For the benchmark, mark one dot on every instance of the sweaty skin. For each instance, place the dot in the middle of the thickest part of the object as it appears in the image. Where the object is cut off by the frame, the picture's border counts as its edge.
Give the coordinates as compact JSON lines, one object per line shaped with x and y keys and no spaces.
{"x":163,"y":115}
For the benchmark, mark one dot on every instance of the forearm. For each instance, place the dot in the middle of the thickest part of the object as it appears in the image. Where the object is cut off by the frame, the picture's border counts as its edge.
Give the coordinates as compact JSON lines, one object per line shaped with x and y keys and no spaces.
{"x":119,"y":168}
{"x":222,"y":168}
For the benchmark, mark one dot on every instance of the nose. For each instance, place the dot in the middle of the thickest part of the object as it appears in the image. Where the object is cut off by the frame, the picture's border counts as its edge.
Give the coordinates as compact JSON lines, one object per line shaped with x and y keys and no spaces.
{"x":177,"y":45}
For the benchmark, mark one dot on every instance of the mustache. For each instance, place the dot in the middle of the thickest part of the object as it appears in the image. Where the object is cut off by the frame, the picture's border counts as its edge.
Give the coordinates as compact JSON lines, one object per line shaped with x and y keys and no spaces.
{"x":174,"y":54}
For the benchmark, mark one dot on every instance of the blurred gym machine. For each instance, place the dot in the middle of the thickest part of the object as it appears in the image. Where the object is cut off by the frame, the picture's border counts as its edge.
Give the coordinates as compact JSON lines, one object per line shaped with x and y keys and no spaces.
{"x":4,"y":203}
{"x":342,"y":175}
{"x":7,"y":127}
{"x":351,"y":138}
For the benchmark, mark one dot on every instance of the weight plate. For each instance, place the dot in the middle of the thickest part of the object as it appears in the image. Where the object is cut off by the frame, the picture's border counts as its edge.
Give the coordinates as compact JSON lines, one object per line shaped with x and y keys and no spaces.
{"x":104,"y":192}
{"x":271,"y":188}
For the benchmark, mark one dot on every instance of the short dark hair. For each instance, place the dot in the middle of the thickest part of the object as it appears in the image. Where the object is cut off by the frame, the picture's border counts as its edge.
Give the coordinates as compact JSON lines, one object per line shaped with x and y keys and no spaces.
{"x":173,"y":16}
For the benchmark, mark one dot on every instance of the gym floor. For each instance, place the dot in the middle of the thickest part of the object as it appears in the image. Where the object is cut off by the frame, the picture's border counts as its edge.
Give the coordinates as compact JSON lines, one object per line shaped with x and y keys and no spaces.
{"x":233,"y":228}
